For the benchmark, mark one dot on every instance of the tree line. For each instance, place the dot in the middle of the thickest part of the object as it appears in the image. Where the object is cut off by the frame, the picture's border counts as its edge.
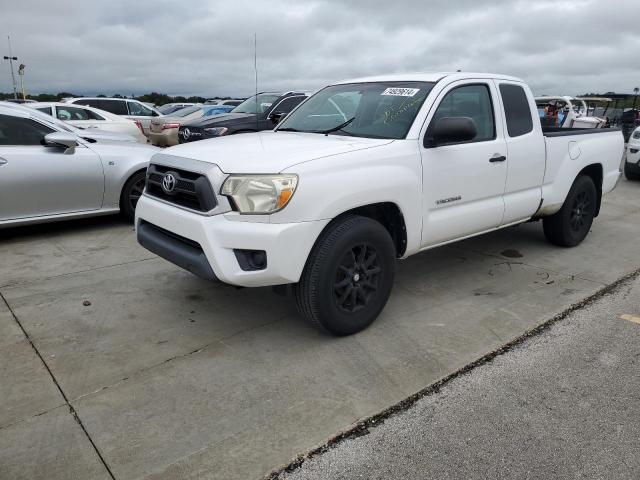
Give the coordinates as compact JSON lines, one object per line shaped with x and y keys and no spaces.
{"x":153,"y":97}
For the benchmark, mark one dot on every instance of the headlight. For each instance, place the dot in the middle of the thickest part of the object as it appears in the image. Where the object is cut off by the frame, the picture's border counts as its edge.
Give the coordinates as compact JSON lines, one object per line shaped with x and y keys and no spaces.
{"x":215,"y":131}
{"x":636,"y":134}
{"x":259,"y":193}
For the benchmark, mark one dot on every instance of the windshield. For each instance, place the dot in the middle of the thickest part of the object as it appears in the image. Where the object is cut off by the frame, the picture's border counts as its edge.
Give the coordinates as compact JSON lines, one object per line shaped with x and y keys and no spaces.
{"x":183,"y":112}
{"x":373,"y":110}
{"x":265,"y":100}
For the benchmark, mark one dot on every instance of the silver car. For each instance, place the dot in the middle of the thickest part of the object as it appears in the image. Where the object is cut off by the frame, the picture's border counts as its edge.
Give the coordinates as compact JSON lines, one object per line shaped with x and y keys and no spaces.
{"x":49,"y":171}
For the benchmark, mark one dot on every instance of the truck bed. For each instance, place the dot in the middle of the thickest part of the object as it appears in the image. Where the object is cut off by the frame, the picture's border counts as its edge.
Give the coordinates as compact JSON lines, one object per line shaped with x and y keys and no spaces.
{"x":562,"y":132}
{"x":569,"y":150}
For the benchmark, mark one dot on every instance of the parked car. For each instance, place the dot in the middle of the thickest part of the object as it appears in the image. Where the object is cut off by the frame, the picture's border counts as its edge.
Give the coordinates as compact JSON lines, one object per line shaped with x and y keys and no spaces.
{"x":254,"y":114}
{"x":132,"y":109}
{"x":163,"y":131}
{"x":367,"y":171}
{"x":49,"y":173}
{"x":632,"y":163}
{"x":217,"y":101}
{"x":169,"y":108}
{"x":83,"y":116}
{"x":92,"y":135}
{"x":566,"y":112}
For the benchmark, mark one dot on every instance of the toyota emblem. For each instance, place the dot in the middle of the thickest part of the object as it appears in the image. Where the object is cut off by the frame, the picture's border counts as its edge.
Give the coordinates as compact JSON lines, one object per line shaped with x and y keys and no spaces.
{"x":169,"y":182}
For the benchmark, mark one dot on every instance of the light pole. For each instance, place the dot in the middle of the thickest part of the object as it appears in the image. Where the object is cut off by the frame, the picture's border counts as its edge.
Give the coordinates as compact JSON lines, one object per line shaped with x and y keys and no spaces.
{"x":11,"y":59}
{"x":21,"y":74}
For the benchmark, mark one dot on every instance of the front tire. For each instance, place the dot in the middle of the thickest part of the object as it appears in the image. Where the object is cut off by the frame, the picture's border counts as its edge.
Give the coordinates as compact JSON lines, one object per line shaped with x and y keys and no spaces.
{"x":348,"y":276}
{"x":571,"y":224}
{"x":629,"y":174}
{"x":131,"y":193}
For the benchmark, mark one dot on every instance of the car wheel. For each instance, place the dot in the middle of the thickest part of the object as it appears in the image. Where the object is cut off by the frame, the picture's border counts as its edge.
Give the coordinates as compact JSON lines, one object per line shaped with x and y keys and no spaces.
{"x":131,"y":193}
{"x":569,"y":226}
{"x":629,"y":174}
{"x":348,"y":276}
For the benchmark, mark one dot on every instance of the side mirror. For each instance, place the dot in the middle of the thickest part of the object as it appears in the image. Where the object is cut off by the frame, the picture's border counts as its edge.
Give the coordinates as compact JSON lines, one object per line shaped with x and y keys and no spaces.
{"x":64,"y":140}
{"x":452,"y":130}
{"x":276,"y":117}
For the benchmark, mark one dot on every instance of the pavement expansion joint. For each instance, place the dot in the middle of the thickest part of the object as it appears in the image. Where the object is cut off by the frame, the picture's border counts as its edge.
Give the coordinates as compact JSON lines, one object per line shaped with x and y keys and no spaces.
{"x":72,"y":410}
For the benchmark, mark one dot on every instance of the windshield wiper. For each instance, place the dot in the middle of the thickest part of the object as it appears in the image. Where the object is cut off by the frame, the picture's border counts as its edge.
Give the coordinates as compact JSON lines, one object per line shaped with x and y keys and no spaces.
{"x":287,"y":129}
{"x":339,"y":127}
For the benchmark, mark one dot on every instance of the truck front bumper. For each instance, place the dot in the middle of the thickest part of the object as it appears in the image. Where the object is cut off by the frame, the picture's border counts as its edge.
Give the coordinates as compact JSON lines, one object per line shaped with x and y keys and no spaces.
{"x":207,"y":245}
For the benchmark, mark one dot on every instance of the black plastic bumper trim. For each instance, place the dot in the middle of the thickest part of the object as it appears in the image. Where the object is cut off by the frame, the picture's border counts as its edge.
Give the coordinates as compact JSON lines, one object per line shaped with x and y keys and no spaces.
{"x":178,"y":250}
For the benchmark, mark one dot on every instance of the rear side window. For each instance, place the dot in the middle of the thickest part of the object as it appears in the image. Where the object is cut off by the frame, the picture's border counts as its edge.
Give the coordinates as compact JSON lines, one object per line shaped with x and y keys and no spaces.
{"x":46,"y":110}
{"x":117,"y":107}
{"x":516,"y":109}
{"x":21,"y":131}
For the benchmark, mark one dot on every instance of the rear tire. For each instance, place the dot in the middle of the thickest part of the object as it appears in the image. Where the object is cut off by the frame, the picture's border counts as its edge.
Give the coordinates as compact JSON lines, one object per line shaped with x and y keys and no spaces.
{"x":348,"y":276}
{"x":571,"y":224}
{"x":629,"y":174}
{"x":131,"y":193}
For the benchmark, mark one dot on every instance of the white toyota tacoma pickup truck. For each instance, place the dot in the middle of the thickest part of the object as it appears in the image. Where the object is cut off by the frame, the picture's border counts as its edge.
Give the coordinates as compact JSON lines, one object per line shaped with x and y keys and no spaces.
{"x":365,"y":172}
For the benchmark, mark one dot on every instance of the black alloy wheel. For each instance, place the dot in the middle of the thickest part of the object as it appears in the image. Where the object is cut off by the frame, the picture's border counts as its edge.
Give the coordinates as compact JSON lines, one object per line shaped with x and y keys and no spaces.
{"x":357,"y":278}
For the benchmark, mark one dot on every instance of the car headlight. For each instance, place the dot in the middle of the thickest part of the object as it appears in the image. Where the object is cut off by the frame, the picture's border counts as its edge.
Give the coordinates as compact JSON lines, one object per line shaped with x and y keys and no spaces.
{"x":636,"y":134}
{"x":215,"y":131}
{"x":259,"y":193}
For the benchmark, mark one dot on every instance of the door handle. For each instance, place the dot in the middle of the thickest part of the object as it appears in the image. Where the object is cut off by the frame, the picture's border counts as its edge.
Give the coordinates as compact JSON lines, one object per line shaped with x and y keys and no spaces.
{"x":497,"y":158}
{"x":3,"y":161}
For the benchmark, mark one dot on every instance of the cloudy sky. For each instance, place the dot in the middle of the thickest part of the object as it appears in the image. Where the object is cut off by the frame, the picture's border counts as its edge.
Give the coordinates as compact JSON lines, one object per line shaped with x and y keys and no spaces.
{"x":205,"y":47}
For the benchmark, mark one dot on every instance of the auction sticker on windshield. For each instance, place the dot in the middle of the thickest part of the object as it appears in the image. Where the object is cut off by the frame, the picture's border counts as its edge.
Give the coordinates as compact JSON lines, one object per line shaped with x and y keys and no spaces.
{"x":400,"y":92}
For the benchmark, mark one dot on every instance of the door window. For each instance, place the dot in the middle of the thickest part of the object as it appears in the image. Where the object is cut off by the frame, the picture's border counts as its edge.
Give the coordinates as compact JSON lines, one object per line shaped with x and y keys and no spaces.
{"x":139,"y":110}
{"x":473,"y":101}
{"x":21,"y":131}
{"x":288,"y":104}
{"x":516,"y":109}
{"x":76,"y":113}
{"x":117,"y":107}
{"x":46,"y":110}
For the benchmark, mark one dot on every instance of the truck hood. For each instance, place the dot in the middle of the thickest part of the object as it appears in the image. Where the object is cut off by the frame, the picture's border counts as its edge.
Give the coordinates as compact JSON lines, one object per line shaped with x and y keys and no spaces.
{"x":269,"y":152}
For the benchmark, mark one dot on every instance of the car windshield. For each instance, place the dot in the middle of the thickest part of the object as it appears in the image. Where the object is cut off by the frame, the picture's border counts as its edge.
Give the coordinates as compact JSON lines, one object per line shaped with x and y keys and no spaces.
{"x":250,"y":105}
{"x":183,"y":112}
{"x":373,"y":110}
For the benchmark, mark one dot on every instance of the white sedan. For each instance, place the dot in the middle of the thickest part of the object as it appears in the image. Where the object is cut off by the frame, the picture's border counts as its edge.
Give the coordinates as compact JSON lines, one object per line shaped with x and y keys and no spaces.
{"x":83,"y":116}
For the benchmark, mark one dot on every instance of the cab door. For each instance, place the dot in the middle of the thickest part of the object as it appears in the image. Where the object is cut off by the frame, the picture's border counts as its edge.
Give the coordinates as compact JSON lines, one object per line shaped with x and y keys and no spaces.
{"x":36,"y":180}
{"x":463,"y":181}
{"x":526,"y":151}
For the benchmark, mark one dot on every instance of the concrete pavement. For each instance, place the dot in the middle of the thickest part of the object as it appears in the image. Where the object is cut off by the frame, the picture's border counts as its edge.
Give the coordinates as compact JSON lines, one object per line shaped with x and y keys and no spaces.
{"x":172,"y":377}
{"x":563,"y":404}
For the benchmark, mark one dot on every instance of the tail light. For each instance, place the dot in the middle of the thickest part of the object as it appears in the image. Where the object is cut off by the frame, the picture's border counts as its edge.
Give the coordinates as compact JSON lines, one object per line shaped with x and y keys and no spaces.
{"x":167,"y":126}
{"x":139,"y":125}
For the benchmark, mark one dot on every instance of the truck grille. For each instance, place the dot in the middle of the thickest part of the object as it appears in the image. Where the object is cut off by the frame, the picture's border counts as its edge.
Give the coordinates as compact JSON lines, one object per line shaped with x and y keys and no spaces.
{"x":185,"y":189}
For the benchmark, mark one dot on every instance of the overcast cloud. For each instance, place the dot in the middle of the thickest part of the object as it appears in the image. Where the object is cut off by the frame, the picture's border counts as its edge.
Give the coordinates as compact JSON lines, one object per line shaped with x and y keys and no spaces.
{"x":205,"y":47}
